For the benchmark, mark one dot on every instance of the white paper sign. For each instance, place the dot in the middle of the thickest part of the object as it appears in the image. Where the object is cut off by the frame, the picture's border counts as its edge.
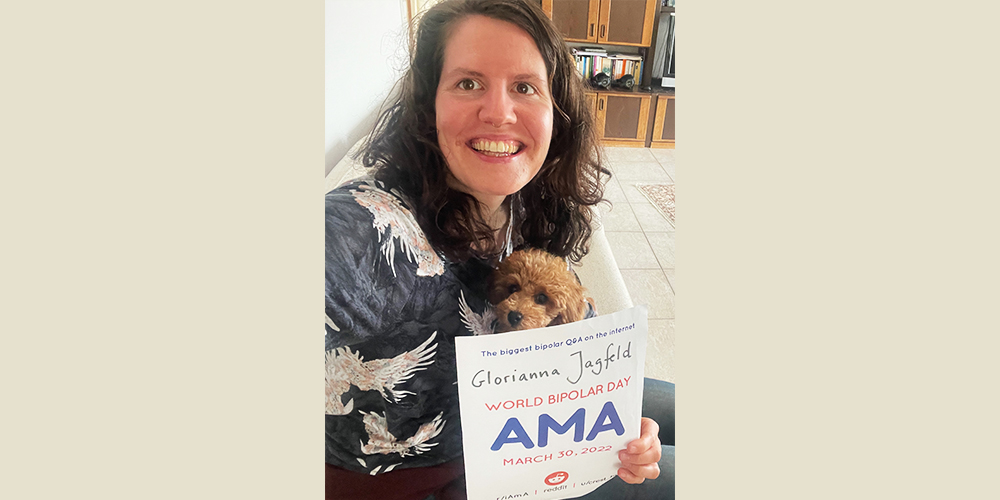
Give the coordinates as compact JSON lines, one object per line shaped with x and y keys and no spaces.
{"x":546,"y":411}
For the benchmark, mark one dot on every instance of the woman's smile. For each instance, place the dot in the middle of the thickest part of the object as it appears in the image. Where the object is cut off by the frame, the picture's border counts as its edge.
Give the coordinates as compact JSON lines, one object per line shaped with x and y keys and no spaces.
{"x":493,"y":109}
{"x":496,"y":148}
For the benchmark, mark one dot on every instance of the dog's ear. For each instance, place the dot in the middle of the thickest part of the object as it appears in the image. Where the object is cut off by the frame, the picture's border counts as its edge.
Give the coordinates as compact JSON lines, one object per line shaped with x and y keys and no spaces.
{"x":498,"y":287}
{"x":569,"y":295}
{"x":575,"y":310}
{"x":494,"y":290}
{"x":499,"y":282}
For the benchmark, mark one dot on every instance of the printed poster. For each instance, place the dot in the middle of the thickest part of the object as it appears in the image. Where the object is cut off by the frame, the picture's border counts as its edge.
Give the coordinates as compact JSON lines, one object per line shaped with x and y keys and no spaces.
{"x":546,"y":411}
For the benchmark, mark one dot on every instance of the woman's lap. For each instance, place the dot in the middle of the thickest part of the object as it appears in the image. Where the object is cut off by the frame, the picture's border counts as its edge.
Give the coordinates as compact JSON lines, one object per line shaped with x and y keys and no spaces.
{"x":661,"y":488}
{"x":657,"y":404}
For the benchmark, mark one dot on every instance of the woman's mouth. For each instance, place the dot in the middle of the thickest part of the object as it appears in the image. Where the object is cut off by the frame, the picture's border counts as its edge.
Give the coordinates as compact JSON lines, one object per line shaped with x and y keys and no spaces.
{"x":496,"y":149}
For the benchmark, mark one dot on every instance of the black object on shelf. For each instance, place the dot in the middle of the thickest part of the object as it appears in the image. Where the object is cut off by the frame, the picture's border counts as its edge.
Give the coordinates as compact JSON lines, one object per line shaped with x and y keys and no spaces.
{"x":601,"y":80}
{"x":625,"y":82}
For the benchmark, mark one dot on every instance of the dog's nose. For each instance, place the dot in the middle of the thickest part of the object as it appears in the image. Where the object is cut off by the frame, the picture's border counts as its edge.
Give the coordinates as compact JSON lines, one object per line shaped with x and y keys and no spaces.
{"x":514,"y":318}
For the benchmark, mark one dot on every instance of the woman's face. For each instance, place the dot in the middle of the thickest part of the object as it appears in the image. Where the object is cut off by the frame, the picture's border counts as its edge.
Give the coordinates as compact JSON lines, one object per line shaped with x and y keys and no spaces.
{"x":494,"y":111}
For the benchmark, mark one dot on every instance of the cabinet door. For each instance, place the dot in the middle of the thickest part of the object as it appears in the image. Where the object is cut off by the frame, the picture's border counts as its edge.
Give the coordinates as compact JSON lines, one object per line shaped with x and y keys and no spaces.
{"x":663,"y":125}
{"x":621,"y":119}
{"x":576,"y":19}
{"x":626,"y":22}
{"x":592,"y":103}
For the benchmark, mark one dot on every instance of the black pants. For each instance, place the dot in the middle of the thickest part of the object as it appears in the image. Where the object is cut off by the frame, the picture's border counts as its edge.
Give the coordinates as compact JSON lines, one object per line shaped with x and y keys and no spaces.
{"x":657,"y":404}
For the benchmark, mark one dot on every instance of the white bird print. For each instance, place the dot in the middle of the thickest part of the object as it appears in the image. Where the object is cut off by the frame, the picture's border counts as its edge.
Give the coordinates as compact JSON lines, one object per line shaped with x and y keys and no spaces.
{"x":345,"y":368}
{"x":388,"y":212}
{"x":381,"y":441}
{"x":478,"y":324}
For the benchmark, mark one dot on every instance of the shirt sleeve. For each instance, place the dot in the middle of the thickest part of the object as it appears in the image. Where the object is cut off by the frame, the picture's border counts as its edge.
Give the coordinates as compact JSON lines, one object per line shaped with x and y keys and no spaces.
{"x":363,"y":295}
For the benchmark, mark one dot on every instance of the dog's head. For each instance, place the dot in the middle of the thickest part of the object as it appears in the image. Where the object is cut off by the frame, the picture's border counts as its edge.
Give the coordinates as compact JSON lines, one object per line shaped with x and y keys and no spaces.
{"x":532,"y":289}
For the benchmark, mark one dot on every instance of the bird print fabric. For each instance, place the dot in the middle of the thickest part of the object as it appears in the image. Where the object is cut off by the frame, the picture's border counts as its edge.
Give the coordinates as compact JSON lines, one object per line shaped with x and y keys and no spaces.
{"x":393,"y":309}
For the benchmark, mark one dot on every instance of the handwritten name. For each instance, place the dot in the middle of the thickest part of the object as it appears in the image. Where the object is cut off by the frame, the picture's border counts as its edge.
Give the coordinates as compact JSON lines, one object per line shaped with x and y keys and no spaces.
{"x":597,"y":365}
{"x":486,"y":377}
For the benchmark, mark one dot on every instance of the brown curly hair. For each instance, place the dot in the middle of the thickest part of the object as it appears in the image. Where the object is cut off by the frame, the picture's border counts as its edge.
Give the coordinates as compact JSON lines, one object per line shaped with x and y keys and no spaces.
{"x":403,"y":149}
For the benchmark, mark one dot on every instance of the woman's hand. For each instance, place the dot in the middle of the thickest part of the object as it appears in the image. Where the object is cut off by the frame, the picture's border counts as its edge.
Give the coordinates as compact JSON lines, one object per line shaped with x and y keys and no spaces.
{"x":639,"y":459}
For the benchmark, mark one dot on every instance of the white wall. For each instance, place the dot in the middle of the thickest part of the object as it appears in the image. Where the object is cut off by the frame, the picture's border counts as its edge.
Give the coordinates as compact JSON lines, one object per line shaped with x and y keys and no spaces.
{"x":365,"y":55}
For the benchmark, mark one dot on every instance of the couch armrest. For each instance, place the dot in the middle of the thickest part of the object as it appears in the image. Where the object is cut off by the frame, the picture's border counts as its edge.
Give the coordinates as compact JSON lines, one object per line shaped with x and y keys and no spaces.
{"x":598,"y":271}
{"x":346,"y":169}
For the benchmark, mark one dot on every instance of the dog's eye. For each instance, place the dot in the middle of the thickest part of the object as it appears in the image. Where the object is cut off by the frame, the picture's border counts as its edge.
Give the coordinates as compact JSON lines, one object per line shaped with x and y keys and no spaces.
{"x":512,"y":289}
{"x":541,"y":298}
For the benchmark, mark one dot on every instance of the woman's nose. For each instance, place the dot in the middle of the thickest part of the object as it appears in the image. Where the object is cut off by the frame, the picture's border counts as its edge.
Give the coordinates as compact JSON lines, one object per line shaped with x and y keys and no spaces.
{"x":498,"y":108}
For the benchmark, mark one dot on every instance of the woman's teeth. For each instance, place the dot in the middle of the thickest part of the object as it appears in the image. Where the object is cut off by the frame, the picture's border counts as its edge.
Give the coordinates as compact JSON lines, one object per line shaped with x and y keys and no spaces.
{"x":496,"y":148}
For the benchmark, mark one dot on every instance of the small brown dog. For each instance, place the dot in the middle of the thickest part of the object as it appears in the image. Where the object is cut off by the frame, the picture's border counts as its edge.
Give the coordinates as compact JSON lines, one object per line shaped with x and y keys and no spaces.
{"x":532,"y":288}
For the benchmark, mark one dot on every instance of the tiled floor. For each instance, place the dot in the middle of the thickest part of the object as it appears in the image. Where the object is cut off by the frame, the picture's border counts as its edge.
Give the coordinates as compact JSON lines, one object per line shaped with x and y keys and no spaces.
{"x":643,"y":243}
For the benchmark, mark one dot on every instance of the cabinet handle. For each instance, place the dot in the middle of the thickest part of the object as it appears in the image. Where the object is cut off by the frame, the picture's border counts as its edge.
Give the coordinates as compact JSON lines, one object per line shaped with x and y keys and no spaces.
{"x":600,"y":104}
{"x":603,"y":30}
{"x":591,"y":30}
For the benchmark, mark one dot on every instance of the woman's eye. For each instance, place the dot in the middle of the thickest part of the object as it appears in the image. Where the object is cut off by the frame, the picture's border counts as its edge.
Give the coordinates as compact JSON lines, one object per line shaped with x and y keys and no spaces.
{"x":524,"y":88}
{"x":468,"y":84}
{"x":541,"y":299}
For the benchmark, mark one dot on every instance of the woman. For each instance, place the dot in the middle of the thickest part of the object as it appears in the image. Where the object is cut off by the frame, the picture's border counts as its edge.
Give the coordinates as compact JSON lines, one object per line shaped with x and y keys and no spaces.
{"x":491,"y":124}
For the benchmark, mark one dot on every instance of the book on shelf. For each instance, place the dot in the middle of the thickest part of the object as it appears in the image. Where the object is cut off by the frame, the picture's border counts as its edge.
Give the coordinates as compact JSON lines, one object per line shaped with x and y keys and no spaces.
{"x":577,"y":52}
{"x":615,"y":65}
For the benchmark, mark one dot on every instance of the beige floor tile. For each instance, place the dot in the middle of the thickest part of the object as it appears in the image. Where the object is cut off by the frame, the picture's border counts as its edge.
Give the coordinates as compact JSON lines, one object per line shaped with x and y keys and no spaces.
{"x":663,"y":248}
{"x":669,"y":169}
{"x":613,"y":191}
{"x":650,"y":287}
{"x":664,"y":156}
{"x":641,"y":171}
{"x":671,"y":279}
{"x":631,"y":192}
{"x":632,"y":251}
{"x":660,"y":350}
{"x":616,"y":155}
{"x":650,"y":219}
{"x":619,"y":217}
{"x":632,"y":217}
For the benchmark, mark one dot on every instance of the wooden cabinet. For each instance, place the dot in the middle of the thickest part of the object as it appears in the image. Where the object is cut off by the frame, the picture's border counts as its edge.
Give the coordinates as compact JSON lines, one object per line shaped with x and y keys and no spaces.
{"x":592,"y":102}
{"x":618,"y":22}
{"x":663,"y":123}
{"x":576,"y":19}
{"x":627,"y":22}
{"x":622,"y":117}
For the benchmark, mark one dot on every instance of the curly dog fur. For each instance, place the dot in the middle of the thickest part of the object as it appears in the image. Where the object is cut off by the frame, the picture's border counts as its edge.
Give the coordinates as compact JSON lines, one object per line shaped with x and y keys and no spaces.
{"x":532,"y":289}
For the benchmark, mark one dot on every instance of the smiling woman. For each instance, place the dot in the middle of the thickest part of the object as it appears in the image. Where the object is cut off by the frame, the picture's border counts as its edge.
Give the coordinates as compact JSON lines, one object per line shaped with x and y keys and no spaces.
{"x":489,"y":146}
{"x":414,"y":136}
{"x":494,"y":111}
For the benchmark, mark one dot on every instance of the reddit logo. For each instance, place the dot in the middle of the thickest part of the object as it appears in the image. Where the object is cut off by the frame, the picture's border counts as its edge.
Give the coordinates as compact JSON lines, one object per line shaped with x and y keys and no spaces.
{"x":556,"y":478}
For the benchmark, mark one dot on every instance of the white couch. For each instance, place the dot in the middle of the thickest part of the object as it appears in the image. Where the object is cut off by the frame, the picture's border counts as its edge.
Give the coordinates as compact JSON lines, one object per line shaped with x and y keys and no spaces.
{"x":598,"y":270}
